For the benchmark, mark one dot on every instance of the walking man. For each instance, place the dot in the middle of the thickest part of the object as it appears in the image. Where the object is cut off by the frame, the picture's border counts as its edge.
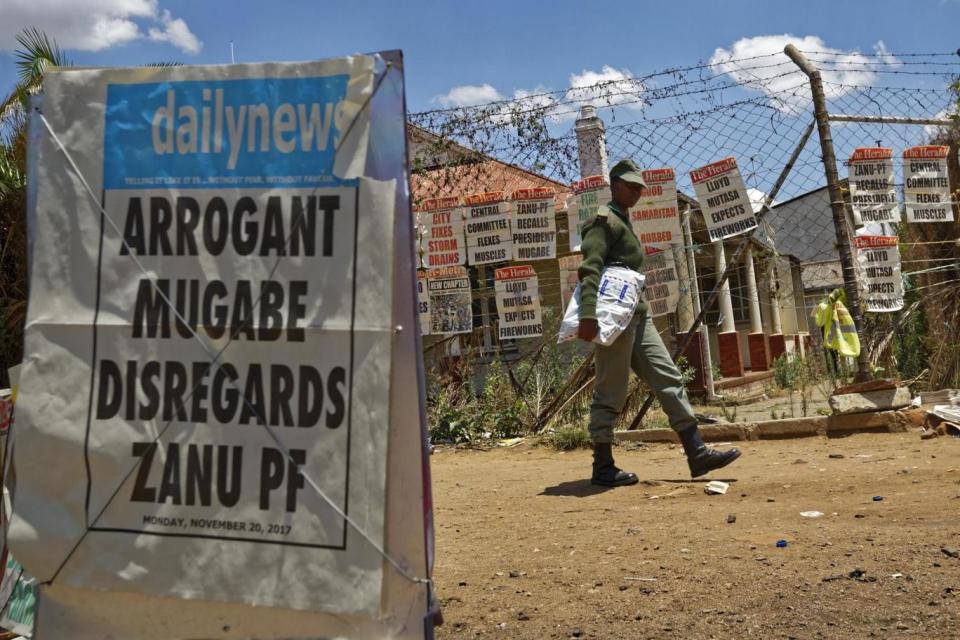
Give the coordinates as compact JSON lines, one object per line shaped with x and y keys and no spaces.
{"x":608,"y":239}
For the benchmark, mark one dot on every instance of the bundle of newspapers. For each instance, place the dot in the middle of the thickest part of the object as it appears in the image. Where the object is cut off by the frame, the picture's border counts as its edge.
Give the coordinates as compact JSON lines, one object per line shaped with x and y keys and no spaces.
{"x":619,"y":293}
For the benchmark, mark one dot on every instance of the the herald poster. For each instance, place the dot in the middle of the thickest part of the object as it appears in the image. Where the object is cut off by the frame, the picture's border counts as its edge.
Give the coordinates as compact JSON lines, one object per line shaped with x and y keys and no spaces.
{"x":487,"y":223}
{"x":878,"y":263}
{"x":441,"y":227}
{"x":655,"y":218}
{"x":534,"y":224}
{"x":873,"y":196}
{"x":569,"y":277}
{"x":518,"y":303}
{"x":588,"y":196}
{"x":662,"y":285}
{"x":926,"y":184}
{"x":723,"y":199}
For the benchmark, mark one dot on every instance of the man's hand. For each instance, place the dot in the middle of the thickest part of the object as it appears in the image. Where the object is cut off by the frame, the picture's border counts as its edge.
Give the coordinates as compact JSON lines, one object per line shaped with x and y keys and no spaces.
{"x":588,"y":329}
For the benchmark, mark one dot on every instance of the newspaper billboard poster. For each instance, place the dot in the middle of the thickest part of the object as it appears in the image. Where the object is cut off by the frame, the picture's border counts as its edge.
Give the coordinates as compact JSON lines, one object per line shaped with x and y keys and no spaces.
{"x":723,"y":199}
{"x":878,"y":260}
{"x":588,"y":196}
{"x":926,"y":184}
{"x":534,"y":224}
{"x":569,"y":276}
{"x":208,"y":319}
{"x":442,"y":228}
{"x":655,"y":218}
{"x":450,"y":301}
{"x":662,"y":285}
{"x":487,"y":223}
{"x":423,"y":302}
{"x":873,"y":196}
{"x":518,"y":303}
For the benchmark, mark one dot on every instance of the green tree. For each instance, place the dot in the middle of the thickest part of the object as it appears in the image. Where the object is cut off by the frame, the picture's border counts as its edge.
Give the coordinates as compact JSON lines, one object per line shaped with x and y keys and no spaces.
{"x":36,"y":54}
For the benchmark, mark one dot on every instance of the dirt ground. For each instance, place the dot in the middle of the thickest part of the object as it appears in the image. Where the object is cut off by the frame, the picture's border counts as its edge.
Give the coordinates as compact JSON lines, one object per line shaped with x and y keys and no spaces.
{"x":526,"y":548}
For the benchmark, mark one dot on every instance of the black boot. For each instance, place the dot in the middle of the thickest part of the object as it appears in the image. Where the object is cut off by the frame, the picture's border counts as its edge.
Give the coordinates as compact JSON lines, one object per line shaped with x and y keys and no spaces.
{"x":701,"y":458}
{"x":605,"y":473}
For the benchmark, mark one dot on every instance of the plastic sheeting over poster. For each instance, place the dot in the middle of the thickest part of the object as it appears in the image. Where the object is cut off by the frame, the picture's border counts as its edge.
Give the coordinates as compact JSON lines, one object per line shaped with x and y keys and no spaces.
{"x":229,"y":448}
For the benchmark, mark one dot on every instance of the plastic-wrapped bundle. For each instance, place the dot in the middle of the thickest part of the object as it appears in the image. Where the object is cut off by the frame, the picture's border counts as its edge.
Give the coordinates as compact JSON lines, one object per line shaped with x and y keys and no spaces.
{"x":617,"y":297}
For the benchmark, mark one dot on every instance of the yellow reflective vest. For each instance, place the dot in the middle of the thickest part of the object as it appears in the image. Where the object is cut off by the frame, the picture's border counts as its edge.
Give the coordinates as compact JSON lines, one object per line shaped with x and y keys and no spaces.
{"x":839,"y":331}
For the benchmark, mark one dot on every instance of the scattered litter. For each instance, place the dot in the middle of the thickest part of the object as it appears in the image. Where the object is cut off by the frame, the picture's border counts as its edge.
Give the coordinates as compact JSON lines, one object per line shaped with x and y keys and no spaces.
{"x":951,"y":396}
{"x":716,"y":487}
{"x":811,"y":514}
{"x":878,"y":498}
{"x":771,"y":500}
{"x":501,"y":625}
{"x":863,"y":455}
{"x":640,"y":579}
{"x":781,"y":544}
{"x":509,"y":442}
{"x":950,"y":551}
{"x":896,"y":575}
{"x":946,"y":412}
{"x":731,"y":518}
{"x":916,"y":402}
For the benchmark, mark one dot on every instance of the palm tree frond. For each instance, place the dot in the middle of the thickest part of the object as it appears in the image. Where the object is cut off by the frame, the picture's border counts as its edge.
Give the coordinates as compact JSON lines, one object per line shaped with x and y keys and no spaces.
{"x":37,"y":52}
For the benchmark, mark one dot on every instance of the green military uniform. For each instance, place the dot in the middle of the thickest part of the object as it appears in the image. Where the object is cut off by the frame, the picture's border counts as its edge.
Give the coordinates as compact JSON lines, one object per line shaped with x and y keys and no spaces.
{"x":608,"y":239}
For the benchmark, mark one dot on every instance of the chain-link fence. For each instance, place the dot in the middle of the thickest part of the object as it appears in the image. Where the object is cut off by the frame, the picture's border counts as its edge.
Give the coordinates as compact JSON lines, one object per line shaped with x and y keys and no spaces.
{"x":758,"y":110}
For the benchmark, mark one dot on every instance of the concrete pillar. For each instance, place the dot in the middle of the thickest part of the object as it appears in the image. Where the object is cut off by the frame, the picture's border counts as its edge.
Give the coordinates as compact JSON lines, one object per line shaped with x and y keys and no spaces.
{"x":731,"y":361}
{"x":757,"y":339}
{"x":778,"y":344}
{"x":591,"y":143}
{"x":685,"y":315}
{"x":698,"y":354}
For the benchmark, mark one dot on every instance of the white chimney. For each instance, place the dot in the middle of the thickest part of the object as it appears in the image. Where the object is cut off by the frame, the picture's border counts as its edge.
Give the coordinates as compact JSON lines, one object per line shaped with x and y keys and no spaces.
{"x":591,"y":143}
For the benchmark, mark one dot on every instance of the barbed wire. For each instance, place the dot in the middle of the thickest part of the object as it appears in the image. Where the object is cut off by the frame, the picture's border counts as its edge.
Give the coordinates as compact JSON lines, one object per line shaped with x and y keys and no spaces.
{"x":754,"y":109}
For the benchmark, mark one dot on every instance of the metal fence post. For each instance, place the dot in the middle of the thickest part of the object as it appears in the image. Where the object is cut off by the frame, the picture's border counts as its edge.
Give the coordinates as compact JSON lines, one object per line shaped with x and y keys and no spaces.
{"x":836,"y":202}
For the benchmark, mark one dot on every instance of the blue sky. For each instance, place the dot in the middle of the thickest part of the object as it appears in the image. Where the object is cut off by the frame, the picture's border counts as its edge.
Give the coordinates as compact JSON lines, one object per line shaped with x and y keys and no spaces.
{"x":487,"y":49}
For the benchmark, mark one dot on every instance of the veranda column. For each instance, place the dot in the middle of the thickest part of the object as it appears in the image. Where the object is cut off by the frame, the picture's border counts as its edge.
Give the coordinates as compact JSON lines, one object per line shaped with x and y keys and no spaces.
{"x":731,"y":362}
{"x":757,"y":339}
{"x":777,"y":341}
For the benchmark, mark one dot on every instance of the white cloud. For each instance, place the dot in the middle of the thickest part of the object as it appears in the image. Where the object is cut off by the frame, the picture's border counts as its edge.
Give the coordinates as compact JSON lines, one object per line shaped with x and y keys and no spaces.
{"x":836,"y":66}
{"x":469,"y":95}
{"x":95,"y":25}
{"x":884,"y":55}
{"x":177,"y":33}
{"x":606,"y":87}
{"x":934,"y":130}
